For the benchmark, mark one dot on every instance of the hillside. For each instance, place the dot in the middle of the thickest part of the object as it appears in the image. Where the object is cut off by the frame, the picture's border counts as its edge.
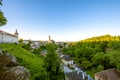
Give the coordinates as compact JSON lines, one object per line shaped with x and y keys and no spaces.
{"x":25,"y":58}
{"x":106,"y":37}
{"x":96,"y":54}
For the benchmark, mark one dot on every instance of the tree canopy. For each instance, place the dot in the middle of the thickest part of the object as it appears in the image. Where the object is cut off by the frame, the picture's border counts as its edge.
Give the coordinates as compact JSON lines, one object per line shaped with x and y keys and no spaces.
{"x":0,"y":2}
{"x":97,"y":53}
{"x":3,"y":20}
{"x":52,"y":64}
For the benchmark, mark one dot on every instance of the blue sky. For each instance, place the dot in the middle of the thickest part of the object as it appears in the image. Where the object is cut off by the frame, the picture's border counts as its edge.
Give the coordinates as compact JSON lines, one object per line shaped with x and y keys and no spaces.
{"x":64,"y":20}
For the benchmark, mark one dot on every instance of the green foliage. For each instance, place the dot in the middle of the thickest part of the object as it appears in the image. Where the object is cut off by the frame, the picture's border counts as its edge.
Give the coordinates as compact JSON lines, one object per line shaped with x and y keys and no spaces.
{"x":96,"y":54}
{"x":98,"y":58}
{"x":114,"y":45}
{"x":26,"y":59}
{"x":102,"y":38}
{"x":100,"y":68}
{"x":0,"y":2}
{"x":36,"y":51}
{"x":86,"y":64}
{"x":41,"y":76}
{"x":115,"y":58}
{"x":52,"y":64}
{"x":20,"y":40}
{"x":3,"y":20}
{"x":42,"y":47}
{"x":25,"y":46}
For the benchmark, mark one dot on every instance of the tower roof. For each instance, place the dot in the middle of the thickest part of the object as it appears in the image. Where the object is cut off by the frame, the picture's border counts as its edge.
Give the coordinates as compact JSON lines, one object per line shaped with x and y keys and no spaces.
{"x":16,"y":32}
{"x":7,"y":33}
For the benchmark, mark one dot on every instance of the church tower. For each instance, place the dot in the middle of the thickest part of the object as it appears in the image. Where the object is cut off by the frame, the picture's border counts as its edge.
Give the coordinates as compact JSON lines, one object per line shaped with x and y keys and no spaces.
{"x":16,"y":33}
{"x":49,"y":39}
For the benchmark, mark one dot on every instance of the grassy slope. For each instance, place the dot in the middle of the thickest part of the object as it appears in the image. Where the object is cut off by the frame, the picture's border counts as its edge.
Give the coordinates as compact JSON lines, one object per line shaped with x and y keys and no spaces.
{"x":25,"y":58}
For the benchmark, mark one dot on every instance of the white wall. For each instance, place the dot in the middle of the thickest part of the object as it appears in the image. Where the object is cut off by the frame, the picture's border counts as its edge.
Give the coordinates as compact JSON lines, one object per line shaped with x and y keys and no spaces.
{"x":5,"y":38}
{"x":67,"y":62}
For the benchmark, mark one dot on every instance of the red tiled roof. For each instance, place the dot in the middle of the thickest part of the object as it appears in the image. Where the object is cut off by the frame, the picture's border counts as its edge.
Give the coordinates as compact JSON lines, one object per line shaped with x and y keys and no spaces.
{"x":7,"y":33}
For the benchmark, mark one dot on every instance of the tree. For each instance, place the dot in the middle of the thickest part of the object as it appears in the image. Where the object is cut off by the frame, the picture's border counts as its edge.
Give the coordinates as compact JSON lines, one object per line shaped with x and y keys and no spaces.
{"x":100,"y":68}
{"x":0,"y":2}
{"x":52,"y":64}
{"x":86,"y":64}
{"x":115,"y":45}
{"x":115,"y":58}
{"x":3,"y":20}
{"x":26,"y":46}
{"x":21,"y":40}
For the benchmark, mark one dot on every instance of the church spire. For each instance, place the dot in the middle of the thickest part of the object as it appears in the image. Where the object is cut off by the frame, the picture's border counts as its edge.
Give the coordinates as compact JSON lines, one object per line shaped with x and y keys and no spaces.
{"x":16,"y":32}
{"x":49,"y":38}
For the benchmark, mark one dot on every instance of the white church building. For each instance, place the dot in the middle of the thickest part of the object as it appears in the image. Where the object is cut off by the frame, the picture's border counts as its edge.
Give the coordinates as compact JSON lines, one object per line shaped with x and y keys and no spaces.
{"x":6,"y":37}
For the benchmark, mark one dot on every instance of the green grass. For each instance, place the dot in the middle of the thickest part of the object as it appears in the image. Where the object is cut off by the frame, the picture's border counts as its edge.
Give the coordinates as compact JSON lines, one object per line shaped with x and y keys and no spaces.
{"x":25,"y":58}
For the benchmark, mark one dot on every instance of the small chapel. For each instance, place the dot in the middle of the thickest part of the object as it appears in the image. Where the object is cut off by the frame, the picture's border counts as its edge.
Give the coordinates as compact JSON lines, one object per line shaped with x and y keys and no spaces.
{"x":6,"y":37}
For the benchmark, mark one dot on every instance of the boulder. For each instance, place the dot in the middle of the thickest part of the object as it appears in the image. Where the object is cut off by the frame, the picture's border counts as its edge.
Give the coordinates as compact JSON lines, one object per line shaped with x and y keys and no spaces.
{"x":9,"y":69}
{"x":8,"y":60}
{"x":1,"y":52}
{"x":14,"y":73}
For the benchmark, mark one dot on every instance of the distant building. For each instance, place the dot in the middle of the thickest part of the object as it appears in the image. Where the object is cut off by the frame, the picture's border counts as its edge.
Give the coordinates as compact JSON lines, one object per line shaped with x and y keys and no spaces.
{"x":35,"y":44}
{"x":43,"y":42}
{"x":26,"y":41}
{"x":6,"y":37}
{"x":76,"y":76}
{"x":110,"y":74}
{"x":43,"y":53}
{"x":73,"y":76}
{"x":61,"y":44}
{"x":50,"y":40}
{"x":67,"y":60}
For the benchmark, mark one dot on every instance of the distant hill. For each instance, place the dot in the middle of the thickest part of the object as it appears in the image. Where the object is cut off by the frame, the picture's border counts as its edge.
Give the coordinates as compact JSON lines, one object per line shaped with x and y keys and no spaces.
{"x":106,"y":37}
{"x":25,"y":58}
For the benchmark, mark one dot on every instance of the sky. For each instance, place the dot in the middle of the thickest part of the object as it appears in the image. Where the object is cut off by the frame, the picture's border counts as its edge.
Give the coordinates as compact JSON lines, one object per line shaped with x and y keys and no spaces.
{"x":63,"y":20}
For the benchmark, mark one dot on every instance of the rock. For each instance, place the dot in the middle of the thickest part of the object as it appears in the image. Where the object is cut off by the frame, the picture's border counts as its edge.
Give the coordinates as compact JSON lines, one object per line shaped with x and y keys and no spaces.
{"x":9,"y":69}
{"x":12,"y":64}
{"x":1,"y":52}
{"x":7,"y":59}
{"x":14,"y":73}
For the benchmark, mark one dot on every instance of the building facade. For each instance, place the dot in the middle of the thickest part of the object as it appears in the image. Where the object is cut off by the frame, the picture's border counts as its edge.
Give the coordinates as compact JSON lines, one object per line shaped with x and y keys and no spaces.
{"x":67,"y":60}
{"x":6,"y":37}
